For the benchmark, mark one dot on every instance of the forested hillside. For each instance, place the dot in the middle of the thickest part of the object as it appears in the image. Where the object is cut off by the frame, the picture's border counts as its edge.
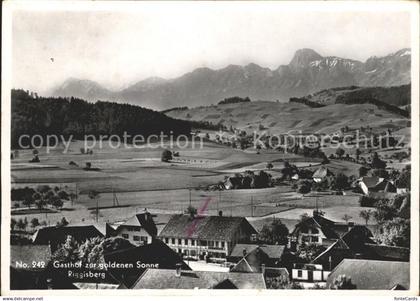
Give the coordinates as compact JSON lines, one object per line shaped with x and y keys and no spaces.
{"x":33,"y":115}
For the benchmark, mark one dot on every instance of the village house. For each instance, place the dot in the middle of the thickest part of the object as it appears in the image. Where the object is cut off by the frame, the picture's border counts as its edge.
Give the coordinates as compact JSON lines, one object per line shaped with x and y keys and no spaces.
{"x":273,"y":253}
{"x":140,"y":229}
{"x":206,"y":237}
{"x":180,"y":279}
{"x":373,"y":274}
{"x":376,"y":186}
{"x":309,"y":272}
{"x":317,"y":230}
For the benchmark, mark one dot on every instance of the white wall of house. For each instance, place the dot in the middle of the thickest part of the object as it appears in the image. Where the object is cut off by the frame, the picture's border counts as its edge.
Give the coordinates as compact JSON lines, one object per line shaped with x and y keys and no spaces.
{"x":299,"y":274}
{"x":137,"y":236}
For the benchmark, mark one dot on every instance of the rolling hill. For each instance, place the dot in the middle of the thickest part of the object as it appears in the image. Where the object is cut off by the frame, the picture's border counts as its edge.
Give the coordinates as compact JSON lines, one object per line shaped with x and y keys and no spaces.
{"x":394,"y":99}
{"x":306,"y":73}
{"x":284,"y":117}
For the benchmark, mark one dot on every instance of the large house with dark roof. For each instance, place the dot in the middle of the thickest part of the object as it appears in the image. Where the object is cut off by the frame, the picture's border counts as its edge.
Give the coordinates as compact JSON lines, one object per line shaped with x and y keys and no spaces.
{"x":373,"y":274}
{"x":273,"y":253}
{"x":140,"y":229}
{"x":206,"y":237}
{"x":321,"y":231}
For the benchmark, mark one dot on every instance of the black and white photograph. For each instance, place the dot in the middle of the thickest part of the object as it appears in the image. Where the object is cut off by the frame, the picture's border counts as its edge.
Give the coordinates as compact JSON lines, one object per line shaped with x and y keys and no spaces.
{"x":210,"y":145}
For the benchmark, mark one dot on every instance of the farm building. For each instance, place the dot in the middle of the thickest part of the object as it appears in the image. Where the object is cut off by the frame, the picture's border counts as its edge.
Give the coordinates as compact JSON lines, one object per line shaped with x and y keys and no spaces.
{"x":206,"y":237}
{"x":274,"y":253}
{"x":322,"y":231}
{"x":374,"y":185}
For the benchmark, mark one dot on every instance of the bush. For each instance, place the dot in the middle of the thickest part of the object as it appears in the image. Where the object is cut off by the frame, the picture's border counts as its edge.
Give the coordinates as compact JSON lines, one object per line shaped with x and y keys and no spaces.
{"x":367,"y":201}
{"x":305,"y":187}
{"x":166,"y":156}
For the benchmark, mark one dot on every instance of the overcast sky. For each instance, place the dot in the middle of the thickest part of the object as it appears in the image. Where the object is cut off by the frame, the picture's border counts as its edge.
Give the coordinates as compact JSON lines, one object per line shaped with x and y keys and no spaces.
{"x":119,"y":48}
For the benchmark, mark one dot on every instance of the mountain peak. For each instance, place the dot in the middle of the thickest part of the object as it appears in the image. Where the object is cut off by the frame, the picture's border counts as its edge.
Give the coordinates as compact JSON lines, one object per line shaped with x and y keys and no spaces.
{"x":303,"y":57}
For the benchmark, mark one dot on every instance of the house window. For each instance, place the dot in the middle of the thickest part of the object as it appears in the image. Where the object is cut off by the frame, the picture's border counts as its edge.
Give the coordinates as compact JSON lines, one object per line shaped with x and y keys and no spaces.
{"x":179,"y":241}
{"x":194,"y":242}
{"x":300,"y":273}
{"x":173,"y":241}
{"x":143,"y":239}
{"x":125,"y":236}
{"x":167,"y":240}
{"x":136,"y":238}
{"x":203,"y":242}
{"x":314,"y":239}
{"x":223,"y":244}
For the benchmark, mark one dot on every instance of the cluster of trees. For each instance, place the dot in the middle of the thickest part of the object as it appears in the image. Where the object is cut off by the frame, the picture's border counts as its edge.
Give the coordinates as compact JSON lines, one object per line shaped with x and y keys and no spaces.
{"x":234,"y":99}
{"x":393,"y":222}
{"x":41,"y":197}
{"x":275,"y":233}
{"x":89,"y":252}
{"x":73,"y":116}
{"x":250,"y":180}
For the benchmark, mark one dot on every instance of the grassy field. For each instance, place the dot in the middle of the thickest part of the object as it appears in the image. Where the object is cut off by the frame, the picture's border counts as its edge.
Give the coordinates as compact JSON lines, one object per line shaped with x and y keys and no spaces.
{"x":140,"y":180}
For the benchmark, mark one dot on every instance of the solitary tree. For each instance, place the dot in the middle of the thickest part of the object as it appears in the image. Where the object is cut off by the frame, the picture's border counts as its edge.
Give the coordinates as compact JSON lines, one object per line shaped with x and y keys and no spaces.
{"x":34,"y":222}
{"x":191,"y":211}
{"x":166,"y":156}
{"x":269,"y":165}
{"x":340,"y":152}
{"x":346,"y":217}
{"x":366,"y":214}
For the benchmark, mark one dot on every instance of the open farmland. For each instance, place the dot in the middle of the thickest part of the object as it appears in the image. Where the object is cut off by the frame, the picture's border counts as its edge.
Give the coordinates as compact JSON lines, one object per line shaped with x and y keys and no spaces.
{"x":140,"y":180}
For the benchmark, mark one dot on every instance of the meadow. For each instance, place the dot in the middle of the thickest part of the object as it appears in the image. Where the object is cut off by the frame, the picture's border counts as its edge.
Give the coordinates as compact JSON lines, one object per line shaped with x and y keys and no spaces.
{"x":139,"y":180}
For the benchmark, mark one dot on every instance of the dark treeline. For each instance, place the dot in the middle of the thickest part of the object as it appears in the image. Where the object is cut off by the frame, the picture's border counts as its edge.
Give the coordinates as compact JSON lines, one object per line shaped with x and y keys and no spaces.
{"x":234,"y":99}
{"x":174,"y":109}
{"x":306,"y":101}
{"x":33,"y":115}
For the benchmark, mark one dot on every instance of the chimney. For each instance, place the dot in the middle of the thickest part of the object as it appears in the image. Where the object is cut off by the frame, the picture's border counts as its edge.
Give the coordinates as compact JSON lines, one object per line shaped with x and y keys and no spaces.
{"x":263,"y":269}
{"x":178,"y":270}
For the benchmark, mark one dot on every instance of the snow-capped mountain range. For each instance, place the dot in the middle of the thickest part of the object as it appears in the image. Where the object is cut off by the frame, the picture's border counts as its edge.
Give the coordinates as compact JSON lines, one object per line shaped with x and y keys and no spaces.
{"x":306,"y":73}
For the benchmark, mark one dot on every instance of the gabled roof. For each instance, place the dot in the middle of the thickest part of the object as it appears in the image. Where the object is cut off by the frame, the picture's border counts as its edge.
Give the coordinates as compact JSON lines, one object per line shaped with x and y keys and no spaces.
{"x":338,"y":245}
{"x":167,"y":279}
{"x":373,"y":274}
{"x":28,"y":254}
{"x":46,"y":235}
{"x":326,"y":225}
{"x":322,"y":172}
{"x":205,"y":227}
{"x":389,"y":252}
{"x":156,"y":253}
{"x":371,"y":182}
{"x":385,"y":186}
{"x":273,"y":251}
{"x":144,"y":220}
{"x":252,"y":262}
